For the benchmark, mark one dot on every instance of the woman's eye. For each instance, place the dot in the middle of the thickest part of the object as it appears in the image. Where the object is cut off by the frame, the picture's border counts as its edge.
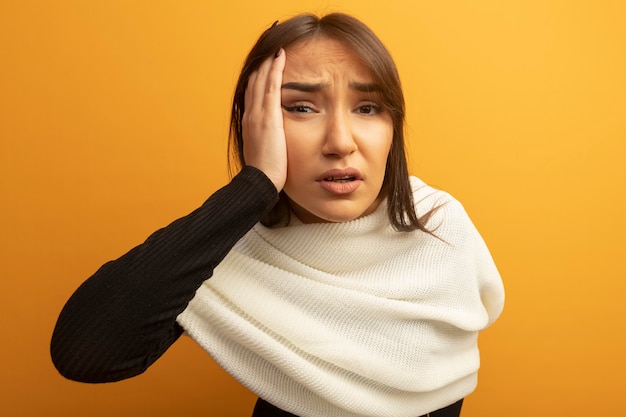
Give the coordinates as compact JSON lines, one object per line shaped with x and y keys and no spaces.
{"x":298,"y":108}
{"x":369,"y":109}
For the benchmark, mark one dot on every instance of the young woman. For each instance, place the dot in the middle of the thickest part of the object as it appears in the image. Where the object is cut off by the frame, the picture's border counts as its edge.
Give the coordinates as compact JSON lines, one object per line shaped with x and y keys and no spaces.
{"x":322,"y":277}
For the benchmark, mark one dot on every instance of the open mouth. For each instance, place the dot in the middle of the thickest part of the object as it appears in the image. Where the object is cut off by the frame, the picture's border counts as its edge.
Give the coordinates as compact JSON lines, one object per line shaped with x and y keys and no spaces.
{"x":341,"y":181}
{"x":346,"y":178}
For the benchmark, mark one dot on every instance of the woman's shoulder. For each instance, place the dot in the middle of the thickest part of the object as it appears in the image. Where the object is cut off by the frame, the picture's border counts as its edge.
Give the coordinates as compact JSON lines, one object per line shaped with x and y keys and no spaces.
{"x":427,"y":197}
{"x":445,"y":210}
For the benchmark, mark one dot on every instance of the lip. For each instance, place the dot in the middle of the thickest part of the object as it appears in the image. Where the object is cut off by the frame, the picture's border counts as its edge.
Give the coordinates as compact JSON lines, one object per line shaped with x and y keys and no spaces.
{"x":352,"y":176}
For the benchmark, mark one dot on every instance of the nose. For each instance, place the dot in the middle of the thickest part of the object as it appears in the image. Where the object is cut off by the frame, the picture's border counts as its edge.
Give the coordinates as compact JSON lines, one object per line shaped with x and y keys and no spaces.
{"x":339,"y":140}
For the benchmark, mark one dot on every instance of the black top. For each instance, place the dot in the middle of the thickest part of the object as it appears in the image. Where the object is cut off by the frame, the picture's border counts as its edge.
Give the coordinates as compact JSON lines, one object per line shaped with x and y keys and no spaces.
{"x":123,"y":318}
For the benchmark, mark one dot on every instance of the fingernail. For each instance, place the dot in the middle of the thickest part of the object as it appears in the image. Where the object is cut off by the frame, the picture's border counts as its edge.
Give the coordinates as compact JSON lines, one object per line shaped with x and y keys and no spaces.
{"x":280,"y":51}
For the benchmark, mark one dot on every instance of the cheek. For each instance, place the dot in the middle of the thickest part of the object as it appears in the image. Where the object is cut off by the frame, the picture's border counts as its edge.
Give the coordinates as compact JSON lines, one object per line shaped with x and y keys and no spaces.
{"x":299,"y":153}
{"x":385,"y":148}
{"x":379,"y":147}
{"x":302,"y":144}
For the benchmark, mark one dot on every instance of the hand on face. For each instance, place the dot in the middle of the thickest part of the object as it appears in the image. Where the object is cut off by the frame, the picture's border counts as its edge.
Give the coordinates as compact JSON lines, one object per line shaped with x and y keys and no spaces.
{"x":315,"y":126}
{"x":264,"y":145}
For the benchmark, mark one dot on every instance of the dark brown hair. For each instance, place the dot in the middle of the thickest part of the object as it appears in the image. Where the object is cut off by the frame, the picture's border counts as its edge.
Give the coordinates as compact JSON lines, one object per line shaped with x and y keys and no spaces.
{"x":359,"y":38}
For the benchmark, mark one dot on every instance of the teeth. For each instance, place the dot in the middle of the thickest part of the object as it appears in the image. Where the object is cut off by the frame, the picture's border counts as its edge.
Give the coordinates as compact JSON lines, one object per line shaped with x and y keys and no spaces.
{"x":340,"y":179}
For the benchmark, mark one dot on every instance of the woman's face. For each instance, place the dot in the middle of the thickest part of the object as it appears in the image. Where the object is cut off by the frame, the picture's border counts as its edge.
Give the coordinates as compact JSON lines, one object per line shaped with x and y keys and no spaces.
{"x":338,"y":134}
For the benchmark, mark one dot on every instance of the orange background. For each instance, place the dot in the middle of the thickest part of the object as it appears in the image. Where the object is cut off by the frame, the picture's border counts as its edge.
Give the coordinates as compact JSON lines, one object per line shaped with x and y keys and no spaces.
{"x":113,"y":122}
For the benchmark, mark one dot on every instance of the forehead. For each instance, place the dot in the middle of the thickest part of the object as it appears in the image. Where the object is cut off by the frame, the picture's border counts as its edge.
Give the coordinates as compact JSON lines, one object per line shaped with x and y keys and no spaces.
{"x":323,"y":57}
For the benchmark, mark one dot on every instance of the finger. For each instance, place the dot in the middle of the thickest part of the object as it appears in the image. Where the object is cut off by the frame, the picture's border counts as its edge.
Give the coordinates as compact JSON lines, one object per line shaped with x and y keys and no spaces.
{"x":259,"y":86}
{"x":274,"y":81}
{"x":249,"y":95}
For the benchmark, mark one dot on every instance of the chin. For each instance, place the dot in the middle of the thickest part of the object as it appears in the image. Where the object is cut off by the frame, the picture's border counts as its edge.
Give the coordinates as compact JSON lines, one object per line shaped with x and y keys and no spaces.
{"x":339,"y":213}
{"x":340,"y":219}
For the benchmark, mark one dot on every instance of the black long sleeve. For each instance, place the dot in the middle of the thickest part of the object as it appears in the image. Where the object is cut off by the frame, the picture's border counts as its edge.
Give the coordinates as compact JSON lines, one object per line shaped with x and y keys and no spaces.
{"x":123,"y":318}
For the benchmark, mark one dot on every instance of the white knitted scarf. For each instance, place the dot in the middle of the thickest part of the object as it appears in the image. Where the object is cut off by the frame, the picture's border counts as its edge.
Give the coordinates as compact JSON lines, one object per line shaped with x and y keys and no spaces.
{"x":353,"y":319}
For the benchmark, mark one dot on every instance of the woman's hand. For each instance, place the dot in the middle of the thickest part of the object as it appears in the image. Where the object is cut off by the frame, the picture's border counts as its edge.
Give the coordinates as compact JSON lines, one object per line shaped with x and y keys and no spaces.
{"x":264,"y":145}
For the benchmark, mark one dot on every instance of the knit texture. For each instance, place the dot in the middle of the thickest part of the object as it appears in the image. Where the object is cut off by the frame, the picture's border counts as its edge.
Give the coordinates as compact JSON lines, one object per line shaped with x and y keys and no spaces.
{"x":353,"y":319}
{"x":123,"y":318}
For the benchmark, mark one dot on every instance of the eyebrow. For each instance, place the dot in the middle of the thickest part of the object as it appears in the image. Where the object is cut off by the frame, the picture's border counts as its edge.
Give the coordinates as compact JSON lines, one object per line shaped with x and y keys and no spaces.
{"x":365,"y":87}
{"x":314,"y":87}
{"x":305,"y":87}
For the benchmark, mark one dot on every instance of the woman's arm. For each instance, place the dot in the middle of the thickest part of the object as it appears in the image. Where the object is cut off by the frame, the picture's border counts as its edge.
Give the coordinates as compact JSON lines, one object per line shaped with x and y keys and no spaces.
{"x":123,"y":318}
